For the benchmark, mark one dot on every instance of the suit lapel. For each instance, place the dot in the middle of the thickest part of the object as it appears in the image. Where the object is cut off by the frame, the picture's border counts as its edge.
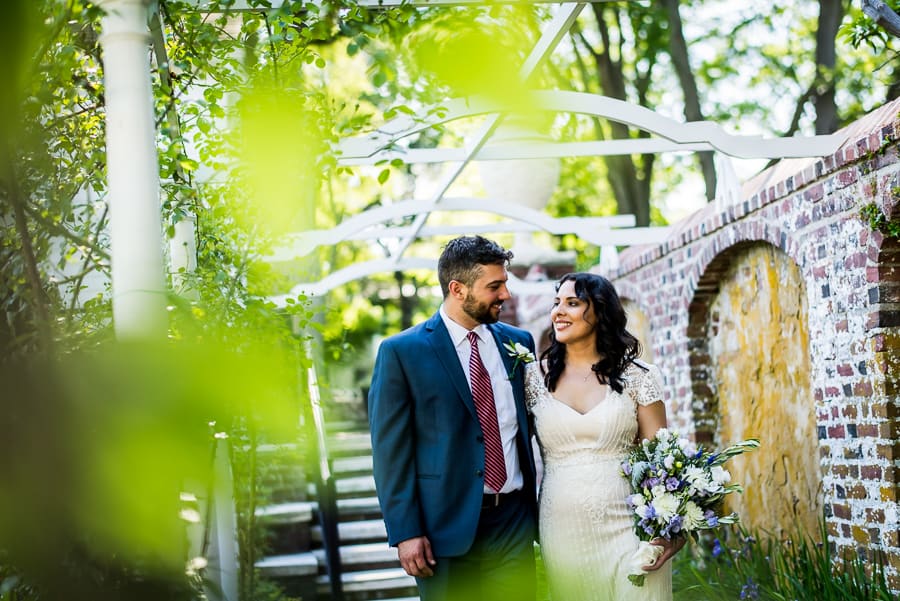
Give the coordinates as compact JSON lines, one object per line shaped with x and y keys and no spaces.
{"x":440,"y":341}
{"x":517,"y":381}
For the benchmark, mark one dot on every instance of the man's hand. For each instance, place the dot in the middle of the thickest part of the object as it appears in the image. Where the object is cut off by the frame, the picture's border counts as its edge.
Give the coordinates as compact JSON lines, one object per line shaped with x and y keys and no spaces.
{"x":415,"y":556}
{"x":670,"y":548}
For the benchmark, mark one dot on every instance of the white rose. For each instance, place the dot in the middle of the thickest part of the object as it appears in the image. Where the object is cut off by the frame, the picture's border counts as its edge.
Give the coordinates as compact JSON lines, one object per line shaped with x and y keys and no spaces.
{"x":658,"y":491}
{"x":646,"y":555}
{"x":662,"y":434}
{"x":637,"y":500}
{"x":720,"y":475}
{"x":666,"y":505}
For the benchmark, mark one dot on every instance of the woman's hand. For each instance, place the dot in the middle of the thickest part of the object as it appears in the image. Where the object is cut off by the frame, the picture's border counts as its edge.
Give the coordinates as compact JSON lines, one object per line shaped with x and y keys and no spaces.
{"x":670,"y":548}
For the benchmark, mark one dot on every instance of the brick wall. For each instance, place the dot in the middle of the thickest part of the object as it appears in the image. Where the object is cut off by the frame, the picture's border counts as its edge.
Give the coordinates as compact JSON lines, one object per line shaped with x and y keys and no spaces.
{"x":810,"y":210}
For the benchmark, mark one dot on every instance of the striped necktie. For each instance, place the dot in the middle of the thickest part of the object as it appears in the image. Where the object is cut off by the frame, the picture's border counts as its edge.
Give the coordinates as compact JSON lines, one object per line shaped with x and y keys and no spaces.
{"x":483,"y":395}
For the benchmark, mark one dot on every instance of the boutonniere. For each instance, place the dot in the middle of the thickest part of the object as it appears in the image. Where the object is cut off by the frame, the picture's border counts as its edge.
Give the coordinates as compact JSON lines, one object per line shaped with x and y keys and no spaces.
{"x":520,"y":353}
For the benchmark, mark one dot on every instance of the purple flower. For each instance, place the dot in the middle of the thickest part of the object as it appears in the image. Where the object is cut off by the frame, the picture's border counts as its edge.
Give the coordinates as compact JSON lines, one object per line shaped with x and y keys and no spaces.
{"x":750,"y":590}
{"x":672,"y":483}
{"x":675,"y":524}
{"x":626,"y":468}
{"x":716,"y":548}
{"x":651,"y":482}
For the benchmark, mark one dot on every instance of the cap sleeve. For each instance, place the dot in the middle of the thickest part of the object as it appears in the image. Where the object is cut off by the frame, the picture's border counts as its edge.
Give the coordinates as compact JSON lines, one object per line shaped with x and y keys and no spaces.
{"x":534,"y":385}
{"x":650,"y":388}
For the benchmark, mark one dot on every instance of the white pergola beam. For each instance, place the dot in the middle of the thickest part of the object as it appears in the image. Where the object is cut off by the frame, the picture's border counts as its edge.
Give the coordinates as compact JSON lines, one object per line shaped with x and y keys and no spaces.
{"x":599,"y":236}
{"x":530,"y":151}
{"x":360,"y":270}
{"x":303,"y":243}
{"x":674,"y":134}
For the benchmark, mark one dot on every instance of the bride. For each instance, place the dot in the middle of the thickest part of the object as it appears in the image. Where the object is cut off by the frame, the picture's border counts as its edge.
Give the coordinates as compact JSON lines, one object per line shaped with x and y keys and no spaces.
{"x":592,"y":400}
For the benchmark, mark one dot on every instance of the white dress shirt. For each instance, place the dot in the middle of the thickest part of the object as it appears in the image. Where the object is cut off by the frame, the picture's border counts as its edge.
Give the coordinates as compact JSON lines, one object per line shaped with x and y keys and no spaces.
{"x":503,"y":392}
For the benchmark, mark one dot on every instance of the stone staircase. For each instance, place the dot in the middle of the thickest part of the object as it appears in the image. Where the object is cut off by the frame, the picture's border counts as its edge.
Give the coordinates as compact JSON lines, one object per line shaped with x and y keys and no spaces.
{"x":297,"y":562}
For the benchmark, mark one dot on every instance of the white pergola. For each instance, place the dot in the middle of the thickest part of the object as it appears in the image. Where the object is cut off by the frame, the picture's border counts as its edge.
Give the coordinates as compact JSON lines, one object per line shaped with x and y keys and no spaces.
{"x":136,"y":230}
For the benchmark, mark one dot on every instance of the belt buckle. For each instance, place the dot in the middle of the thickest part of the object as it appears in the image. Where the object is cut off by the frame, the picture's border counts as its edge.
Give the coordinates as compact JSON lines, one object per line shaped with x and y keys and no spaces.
{"x":496,"y":499}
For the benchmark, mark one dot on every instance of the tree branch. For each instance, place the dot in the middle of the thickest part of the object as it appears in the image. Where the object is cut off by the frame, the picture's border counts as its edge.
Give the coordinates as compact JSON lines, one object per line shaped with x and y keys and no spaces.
{"x":65,"y":232}
{"x":88,"y":257}
{"x":883,"y":15}
{"x":32,"y":275}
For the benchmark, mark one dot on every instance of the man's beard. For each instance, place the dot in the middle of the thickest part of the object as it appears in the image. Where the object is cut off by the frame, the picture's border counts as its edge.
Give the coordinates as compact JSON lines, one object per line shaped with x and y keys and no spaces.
{"x":480,"y":312}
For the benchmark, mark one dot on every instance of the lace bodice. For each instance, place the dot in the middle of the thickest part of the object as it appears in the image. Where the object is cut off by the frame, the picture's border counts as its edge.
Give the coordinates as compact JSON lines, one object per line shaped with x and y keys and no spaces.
{"x":609,"y":428}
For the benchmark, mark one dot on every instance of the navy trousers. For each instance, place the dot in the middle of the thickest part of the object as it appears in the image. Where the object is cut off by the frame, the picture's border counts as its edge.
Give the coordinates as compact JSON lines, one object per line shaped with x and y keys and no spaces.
{"x":498,"y":567}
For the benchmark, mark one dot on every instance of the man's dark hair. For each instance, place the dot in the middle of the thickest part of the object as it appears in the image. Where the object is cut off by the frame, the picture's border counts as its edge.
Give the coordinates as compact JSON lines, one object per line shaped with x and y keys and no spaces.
{"x":463,"y":257}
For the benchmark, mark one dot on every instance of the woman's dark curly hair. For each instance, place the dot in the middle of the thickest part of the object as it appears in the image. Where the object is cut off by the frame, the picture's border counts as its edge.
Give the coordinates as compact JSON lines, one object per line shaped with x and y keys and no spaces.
{"x":616,"y":345}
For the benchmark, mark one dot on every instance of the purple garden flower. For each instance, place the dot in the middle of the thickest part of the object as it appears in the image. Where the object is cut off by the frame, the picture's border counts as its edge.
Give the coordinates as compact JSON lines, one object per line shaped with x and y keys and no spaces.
{"x":672,"y":483}
{"x":716,"y":548}
{"x":750,"y":590}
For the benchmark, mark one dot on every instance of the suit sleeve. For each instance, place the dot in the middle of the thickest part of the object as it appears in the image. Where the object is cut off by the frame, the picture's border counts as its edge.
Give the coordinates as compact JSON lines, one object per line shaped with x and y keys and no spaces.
{"x":393,"y":440}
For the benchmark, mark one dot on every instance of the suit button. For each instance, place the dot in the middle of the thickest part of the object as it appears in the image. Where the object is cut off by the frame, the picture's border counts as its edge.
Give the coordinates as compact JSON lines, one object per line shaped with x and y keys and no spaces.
{"x":479,"y":473}
{"x":479,"y":439}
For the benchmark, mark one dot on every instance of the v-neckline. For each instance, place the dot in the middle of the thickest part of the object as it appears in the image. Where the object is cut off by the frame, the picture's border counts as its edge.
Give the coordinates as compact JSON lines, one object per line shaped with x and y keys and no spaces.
{"x":576,"y":411}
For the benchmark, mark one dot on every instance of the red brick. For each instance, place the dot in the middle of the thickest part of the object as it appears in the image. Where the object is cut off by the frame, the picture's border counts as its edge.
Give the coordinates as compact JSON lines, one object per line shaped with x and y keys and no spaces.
{"x":863,"y":388}
{"x":841,"y":511}
{"x":870,"y":472}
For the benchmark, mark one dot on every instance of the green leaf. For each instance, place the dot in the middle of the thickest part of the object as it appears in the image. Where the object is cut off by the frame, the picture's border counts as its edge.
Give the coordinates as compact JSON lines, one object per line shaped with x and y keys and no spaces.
{"x":384,"y":175}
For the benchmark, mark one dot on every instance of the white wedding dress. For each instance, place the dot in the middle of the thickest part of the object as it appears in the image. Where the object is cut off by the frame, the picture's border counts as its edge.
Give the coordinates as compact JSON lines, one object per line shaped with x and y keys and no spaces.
{"x":586,"y":529}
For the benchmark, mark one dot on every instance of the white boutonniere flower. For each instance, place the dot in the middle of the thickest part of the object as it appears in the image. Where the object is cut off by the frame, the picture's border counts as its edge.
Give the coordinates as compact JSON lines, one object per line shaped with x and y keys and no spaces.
{"x":520,"y":353}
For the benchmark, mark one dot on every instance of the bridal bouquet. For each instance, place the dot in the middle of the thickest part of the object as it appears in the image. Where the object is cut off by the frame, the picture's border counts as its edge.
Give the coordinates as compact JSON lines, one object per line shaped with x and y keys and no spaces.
{"x":678,"y":489}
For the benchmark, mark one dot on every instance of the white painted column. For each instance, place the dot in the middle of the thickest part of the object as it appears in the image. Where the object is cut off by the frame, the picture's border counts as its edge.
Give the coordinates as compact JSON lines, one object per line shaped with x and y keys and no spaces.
{"x":138,"y":277}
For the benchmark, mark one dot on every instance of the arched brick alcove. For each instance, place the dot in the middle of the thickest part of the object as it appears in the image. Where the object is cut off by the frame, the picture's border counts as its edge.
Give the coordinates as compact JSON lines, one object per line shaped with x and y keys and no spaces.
{"x":748,"y":334}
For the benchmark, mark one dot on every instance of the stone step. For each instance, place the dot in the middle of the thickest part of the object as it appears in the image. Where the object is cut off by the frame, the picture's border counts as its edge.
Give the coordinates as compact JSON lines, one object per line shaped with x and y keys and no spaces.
{"x":288,"y":513}
{"x":359,"y":464}
{"x":356,"y":532}
{"x":371,"y":581}
{"x":304,"y":512}
{"x":359,"y":508}
{"x":346,"y":444}
{"x":354,"y":486}
{"x":289,"y":566}
{"x":364,"y":556}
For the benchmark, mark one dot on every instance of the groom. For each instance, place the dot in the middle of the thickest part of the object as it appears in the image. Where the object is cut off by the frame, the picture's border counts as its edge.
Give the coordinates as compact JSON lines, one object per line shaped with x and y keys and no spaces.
{"x":450,"y":438}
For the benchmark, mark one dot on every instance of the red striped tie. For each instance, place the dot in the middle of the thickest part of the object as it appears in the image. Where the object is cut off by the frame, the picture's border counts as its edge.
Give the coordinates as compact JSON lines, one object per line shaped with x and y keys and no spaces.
{"x":483,"y":395}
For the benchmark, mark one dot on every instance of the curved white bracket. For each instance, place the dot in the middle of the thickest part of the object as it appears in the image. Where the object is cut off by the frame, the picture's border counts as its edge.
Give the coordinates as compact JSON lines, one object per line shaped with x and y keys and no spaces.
{"x":700,"y":132}
{"x":589,"y":228}
{"x":361,"y":270}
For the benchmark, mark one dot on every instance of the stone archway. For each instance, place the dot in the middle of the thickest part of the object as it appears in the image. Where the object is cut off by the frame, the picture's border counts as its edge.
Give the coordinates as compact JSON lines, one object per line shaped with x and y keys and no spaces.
{"x":749,"y":345}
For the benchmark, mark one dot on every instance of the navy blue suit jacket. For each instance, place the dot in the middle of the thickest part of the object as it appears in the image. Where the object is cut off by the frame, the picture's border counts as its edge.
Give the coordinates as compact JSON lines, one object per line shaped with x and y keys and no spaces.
{"x":426,"y":437}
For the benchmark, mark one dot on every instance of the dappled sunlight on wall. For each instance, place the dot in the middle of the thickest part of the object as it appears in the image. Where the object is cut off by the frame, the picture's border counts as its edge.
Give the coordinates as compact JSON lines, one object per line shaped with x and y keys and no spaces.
{"x":639,"y":325}
{"x":759,"y":355}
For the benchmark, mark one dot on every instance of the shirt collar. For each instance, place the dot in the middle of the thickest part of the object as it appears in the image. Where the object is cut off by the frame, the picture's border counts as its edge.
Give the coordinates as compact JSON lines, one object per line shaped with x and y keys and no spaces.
{"x":458,"y":333}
